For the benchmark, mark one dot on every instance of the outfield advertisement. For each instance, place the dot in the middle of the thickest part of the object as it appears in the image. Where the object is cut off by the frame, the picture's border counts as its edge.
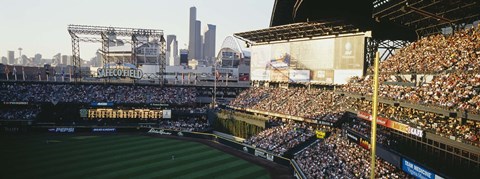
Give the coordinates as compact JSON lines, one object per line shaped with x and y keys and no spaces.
{"x":330,"y":60}
{"x":418,"y":171}
{"x":15,"y":103}
{"x":101,"y":104}
{"x":392,"y":124}
{"x":325,"y":123}
{"x":358,"y":139}
{"x":320,"y":134}
{"x":104,"y":130}
{"x":264,"y":155}
{"x":62,"y":130}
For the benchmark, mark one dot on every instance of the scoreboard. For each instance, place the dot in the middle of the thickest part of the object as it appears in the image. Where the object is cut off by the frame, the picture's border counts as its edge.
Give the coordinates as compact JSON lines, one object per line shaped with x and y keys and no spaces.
{"x":124,"y":113}
{"x":329,"y":60}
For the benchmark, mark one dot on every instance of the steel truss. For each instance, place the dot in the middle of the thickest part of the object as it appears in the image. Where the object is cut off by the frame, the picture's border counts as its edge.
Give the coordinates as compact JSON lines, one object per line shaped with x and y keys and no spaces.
{"x":427,"y":17}
{"x":387,"y":46}
{"x":85,"y":33}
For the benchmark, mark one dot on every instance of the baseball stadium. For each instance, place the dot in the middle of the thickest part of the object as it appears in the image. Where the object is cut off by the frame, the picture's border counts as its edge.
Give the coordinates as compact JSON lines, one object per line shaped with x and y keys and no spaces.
{"x":353,"y":89}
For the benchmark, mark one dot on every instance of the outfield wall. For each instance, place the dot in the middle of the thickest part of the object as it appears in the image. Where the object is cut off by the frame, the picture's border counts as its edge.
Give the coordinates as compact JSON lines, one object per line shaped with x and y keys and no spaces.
{"x":233,"y":144}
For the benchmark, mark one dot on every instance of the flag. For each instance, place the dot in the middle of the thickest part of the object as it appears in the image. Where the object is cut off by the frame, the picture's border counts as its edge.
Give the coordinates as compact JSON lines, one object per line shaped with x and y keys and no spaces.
{"x":23,"y":73}
{"x":54,"y":74}
{"x":7,"y":71}
{"x":183,"y":77}
{"x":47,"y":72}
{"x":15,"y":73}
{"x":39,"y":74}
{"x":217,"y":75}
{"x":226,"y":79}
{"x":63,"y":74}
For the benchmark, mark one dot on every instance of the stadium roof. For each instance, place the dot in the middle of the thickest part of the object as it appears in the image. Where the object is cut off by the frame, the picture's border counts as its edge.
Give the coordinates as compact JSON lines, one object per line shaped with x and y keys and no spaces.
{"x":387,"y":19}
{"x":356,"y":14}
{"x":297,"y":30}
{"x":230,"y":42}
{"x":427,"y":16}
{"x":291,"y":11}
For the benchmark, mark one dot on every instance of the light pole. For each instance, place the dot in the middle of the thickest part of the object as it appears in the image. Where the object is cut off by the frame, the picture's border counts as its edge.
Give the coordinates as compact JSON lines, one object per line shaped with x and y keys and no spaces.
{"x":214,"y":97}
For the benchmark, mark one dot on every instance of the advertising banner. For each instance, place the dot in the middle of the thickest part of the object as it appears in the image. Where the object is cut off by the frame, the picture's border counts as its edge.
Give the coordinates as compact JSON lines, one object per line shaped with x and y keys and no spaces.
{"x":325,"y":123}
{"x":360,"y":140}
{"x":159,"y":131}
{"x":101,"y":104}
{"x":104,"y":130}
{"x":264,"y":155}
{"x":15,"y":103}
{"x":320,"y":134}
{"x":62,"y":130}
{"x":418,"y":171}
{"x":299,"y":75}
{"x":353,"y":137}
{"x":392,"y":124}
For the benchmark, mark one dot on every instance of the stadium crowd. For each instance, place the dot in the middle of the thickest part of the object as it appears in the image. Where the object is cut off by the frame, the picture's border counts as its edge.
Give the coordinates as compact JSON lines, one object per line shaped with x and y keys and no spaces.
{"x":281,"y":138}
{"x":190,"y":125}
{"x":310,"y":103}
{"x":453,"y":91}
{"x":467,"y":131}
{"x":336,"y":157}
{"x":86,"y":93}
{"x":452,"y":62}
{"x":363,"y":127}
{"x":19,"y":114}
{"x":433,"y":54}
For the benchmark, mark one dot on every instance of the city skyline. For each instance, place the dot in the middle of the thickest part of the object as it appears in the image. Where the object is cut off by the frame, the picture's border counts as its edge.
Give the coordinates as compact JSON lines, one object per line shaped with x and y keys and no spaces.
{"x":41,"y":27}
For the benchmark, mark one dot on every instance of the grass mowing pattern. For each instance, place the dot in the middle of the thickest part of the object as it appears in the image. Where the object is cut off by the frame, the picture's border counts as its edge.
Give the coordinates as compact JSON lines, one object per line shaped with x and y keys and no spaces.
{"x":117,"y":156}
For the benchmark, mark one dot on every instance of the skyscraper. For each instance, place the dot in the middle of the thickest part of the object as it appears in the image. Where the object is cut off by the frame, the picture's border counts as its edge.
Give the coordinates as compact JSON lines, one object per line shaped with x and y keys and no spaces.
{"x":64,"y":60}
{"x":184,"y":57}
{"x":191,"y":37}
{"x":209,"y":43}
{"x":172,"y":50}
{"x":198,"y":40}
{"x":37,"y":59}
{"x":11,"y":57}
{"x":57,"y":59}
{"x":24,"y":60}
{"x":195,"y":40}
{"x":4,"y":60}
{"x":170,"y":38}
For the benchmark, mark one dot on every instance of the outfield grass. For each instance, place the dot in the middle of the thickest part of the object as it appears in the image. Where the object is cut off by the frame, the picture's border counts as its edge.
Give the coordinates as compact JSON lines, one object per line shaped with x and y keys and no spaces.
{"x":117,"y":156}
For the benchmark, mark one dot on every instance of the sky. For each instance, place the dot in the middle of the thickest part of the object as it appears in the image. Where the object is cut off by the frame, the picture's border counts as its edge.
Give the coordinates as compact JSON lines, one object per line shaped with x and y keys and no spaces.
{"x":40,"y":26}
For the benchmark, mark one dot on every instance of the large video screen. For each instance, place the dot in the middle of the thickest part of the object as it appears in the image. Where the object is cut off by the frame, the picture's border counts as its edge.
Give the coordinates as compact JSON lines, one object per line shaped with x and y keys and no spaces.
{"x":329,"y":60}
